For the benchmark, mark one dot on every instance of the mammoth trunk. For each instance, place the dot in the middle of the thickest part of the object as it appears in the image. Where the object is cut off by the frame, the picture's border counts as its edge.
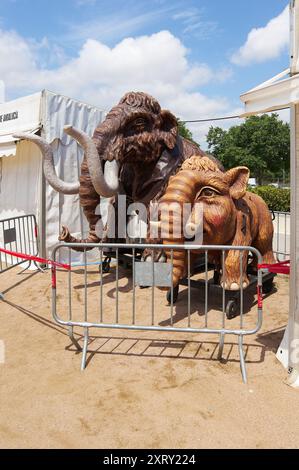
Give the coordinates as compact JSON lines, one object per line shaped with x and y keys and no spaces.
{"x":180,"y":192}
{"x":89,"y":200}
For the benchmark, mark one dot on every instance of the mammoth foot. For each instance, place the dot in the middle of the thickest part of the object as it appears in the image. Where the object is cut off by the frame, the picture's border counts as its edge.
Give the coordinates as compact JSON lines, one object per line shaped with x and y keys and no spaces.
{"x":159,"y":255}
{"x":230,"y":284}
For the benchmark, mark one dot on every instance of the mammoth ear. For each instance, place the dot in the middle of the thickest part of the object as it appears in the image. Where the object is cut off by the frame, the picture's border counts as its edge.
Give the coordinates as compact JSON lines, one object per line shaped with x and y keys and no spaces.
{"x":237,"y":179}
{"x":169,"y":128}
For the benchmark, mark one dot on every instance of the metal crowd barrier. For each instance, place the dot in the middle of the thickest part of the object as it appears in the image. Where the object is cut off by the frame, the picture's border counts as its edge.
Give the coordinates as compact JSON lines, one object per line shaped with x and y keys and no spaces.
{"x":71,"y":302}
{"x":18,"y":234}
{"x":282,"y":234}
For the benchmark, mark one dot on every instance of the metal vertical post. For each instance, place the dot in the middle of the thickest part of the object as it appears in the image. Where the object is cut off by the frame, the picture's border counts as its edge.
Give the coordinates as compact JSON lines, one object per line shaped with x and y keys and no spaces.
{"x":293,"y":327}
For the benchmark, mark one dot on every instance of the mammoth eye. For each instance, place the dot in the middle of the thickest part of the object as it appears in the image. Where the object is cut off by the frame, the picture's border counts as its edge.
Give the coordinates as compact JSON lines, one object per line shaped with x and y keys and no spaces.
{"x":208,"y":192}
{"x":136,"y":126}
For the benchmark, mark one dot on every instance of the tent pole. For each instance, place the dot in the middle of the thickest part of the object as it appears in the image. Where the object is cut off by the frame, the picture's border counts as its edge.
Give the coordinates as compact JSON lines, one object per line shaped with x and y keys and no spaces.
{"x":42,"y":205}
{"x":293,"y":326}
{"x":42,"y":218}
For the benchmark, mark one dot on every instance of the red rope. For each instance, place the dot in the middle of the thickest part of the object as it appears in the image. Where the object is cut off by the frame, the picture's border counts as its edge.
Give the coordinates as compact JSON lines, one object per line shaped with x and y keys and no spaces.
{"x":278,"y":268}
{"x":35,"y":258}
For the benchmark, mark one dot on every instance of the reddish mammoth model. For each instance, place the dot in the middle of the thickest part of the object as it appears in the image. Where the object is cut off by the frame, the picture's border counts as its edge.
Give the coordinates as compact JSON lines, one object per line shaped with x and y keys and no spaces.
{"x":133,"y":151}
{"x":231,"y":216}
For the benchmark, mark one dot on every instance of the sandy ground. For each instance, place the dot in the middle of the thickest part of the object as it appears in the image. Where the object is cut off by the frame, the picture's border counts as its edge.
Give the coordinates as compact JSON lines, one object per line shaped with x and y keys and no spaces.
{"x":140,"y":389}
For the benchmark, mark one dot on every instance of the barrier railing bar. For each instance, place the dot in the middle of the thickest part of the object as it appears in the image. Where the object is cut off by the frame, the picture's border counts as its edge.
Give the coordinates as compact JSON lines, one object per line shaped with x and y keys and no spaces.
{"x":171,"y":290}
{"x":189,"y":289}
{"x":222,"y":331}
{"x":206,"y":288}
{"x":116,"y":314}
{"x":153,"y":288}
{"x":134,"y":292}
{"x":241,"y":291}
{"x":85,"y":287}
{"x":223,"y":288}
{"x":24,"y":229}
{"x":101,"y":287}
{"x":70,"y":286}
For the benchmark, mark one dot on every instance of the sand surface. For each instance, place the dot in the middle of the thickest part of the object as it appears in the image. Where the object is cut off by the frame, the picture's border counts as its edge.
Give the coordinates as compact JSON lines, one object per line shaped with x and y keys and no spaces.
{"x":140,"y":389}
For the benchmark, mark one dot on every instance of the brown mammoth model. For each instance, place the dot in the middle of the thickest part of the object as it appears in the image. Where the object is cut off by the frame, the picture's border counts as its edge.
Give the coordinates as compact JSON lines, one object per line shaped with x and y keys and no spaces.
{"x":133,"y":151}
{"x":231,"y":216}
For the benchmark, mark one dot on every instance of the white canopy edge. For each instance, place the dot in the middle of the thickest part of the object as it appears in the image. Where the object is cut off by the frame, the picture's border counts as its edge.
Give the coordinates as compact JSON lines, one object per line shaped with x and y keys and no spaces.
{"x":271,"y":95}
{"x":20,"y":115}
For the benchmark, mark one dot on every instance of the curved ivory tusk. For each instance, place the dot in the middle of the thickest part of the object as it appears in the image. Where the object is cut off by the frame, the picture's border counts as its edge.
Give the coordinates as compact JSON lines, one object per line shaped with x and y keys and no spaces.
{"x":48,"y":165}
{"x":155,"y":224}
{"x":191,"y":227}
{"x":111,"y":170}
{"x":102,"y":187}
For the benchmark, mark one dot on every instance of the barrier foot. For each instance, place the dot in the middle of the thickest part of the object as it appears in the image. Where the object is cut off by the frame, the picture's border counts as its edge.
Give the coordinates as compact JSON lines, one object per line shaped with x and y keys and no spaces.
{"x":221,"y":346}
{"x":1,"y":296}
{"x":84,"y":351}
{"x":29,"y":264}
{"x":73,"y":339}
{"x":39,"y":268}
{"x":242,"y":360}
{"x":25,"y":269}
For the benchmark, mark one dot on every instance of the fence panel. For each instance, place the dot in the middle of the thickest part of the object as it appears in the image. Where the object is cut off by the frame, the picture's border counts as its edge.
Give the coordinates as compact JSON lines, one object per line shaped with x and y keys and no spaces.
{"x":18,"y":234}
{"x":282,"y":234}
{"x":94,"y":297}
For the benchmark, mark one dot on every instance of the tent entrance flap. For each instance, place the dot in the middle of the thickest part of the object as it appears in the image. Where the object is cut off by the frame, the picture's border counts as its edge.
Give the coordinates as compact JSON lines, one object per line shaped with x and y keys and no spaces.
{"x":8,"y":146}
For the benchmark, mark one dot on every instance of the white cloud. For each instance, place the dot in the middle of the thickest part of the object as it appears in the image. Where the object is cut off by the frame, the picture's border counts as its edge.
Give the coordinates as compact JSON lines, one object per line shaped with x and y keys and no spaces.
{"x":194,"y":24}
{"x":113,"y":27}
{"x":265,"y":43}
{"x":100,"y":75}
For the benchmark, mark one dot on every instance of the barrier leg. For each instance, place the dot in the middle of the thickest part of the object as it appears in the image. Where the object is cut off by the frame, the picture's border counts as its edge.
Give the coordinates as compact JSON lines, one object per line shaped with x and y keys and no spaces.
{"x":35,"y":264}
{"x":73,"y":339}
{"x":242,"y":359}
{"x":221,"y":346}
{"x":41,"y":270}
{"x":25,"y":269}
{"x":84,"y":351}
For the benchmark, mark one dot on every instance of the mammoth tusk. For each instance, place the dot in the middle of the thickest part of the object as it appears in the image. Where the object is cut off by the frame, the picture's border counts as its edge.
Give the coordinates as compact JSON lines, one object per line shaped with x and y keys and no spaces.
{"x":111,"y":170}
{"x":191,"y":227}
{"x":48,"y":165}
{"x":155,"y":224}
{"x":105,"y":188}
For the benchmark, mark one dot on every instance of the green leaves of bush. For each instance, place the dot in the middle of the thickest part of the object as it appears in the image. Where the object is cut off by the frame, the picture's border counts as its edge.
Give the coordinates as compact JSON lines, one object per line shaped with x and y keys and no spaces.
{"x":278,"y":199}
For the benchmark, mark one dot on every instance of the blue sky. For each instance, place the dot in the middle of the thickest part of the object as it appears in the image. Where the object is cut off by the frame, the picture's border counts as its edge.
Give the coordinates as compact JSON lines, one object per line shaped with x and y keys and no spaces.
{"x":186,"y":53}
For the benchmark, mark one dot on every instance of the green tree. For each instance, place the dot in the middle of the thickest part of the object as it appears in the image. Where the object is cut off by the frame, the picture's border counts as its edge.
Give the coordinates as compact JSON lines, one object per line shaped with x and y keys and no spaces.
{"x":262,"y":143}
{"x":185,"y":132}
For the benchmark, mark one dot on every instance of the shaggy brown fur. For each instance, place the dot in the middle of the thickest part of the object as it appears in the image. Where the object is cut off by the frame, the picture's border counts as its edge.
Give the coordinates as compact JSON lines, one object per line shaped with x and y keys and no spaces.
{"x":231,"y":216}
{"x":144,"y":139}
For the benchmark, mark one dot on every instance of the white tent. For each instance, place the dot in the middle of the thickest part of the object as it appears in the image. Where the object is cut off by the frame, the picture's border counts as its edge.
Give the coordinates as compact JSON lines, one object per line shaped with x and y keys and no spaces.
{"x":23,"y":189}
{"x":280,"y":92}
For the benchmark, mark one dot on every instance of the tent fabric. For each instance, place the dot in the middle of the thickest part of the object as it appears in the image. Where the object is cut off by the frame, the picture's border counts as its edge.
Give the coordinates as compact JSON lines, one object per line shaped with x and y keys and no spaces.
{"x":21,"y":182}
{"x":63,"y":209}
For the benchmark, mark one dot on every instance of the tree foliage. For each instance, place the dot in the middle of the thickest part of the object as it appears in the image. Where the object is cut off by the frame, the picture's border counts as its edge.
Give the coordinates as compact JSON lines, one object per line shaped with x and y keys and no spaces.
{"x":185,"y":132}
{"x":262,"y":143}
{"x":277,"y":199}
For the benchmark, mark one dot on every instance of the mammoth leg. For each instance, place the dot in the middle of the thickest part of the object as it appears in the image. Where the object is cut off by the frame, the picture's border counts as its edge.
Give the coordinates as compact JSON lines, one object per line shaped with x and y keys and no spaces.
{"x":89,"y":201}
{"x":264,"y":240}
{"x":234,"y":270}
{"x":232,"y":274}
